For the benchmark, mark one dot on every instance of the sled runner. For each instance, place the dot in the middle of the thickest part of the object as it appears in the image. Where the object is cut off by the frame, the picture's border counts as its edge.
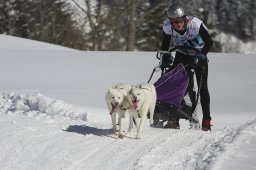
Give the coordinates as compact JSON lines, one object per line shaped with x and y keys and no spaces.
{"x":176,"y":94}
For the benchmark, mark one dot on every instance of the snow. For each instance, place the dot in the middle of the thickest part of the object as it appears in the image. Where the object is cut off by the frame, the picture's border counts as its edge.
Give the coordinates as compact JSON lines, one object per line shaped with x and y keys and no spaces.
{"x":229,"y":43}
{"x":16,"y":43}
{"x":53,"y":114}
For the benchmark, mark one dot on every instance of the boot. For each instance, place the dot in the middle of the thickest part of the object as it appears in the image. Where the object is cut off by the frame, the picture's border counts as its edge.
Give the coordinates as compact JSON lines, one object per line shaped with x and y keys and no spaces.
{"x":173,"y":123}
{"x":206,"y":125}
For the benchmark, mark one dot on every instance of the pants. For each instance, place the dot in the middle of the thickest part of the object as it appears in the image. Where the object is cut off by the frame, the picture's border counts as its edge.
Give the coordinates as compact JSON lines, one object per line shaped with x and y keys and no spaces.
{"x":204,"y":92}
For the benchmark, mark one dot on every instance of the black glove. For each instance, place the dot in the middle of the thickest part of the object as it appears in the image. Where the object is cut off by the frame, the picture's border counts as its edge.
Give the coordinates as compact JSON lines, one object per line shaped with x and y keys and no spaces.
{"x":167,"y":60}
{"x":198,"y":60}
{"x":201,"y":56}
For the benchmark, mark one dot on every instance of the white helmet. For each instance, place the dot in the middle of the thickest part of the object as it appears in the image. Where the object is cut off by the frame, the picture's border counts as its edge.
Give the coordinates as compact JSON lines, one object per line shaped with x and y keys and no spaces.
{"x":175,"y":11}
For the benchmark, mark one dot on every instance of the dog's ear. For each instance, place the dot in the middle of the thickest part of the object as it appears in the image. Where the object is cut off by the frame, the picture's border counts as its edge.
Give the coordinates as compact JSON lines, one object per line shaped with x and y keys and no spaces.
{"x":110,"y":88}
{"x":144,"y":86}
{"x":129,"y":87}
{"x":140,"y":86}
{"x":117,"y":86}
{"x":120,"y":86}
{"x":130,"y":91}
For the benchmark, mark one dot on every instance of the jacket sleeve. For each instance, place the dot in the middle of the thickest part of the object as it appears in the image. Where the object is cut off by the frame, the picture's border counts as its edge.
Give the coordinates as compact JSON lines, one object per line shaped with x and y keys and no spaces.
{"x":206,"y":38}
{"x":166,"y":42}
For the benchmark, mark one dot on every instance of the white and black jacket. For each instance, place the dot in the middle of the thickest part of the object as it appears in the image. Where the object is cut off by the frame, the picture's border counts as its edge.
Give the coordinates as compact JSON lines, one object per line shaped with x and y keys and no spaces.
{"x":193,"y":27}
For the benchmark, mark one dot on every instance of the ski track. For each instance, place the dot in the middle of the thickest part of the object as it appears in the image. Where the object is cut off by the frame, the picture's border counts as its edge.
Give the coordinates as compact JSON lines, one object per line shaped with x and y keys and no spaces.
{"x":54,"y":143}
{"x":124,"y":153}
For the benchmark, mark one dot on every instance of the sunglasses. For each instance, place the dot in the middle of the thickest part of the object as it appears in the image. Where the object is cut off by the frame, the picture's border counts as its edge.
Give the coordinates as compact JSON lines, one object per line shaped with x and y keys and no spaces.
{"x":177,"y":20}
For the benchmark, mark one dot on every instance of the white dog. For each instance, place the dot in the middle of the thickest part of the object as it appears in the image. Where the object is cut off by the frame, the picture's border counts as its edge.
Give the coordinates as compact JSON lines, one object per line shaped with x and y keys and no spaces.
{"x":143,"y":100}
{"x":117,"y":102}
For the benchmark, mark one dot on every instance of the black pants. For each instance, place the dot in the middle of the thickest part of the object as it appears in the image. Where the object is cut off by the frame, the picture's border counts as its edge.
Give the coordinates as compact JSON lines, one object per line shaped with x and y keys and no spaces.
{"x":201,"y":70}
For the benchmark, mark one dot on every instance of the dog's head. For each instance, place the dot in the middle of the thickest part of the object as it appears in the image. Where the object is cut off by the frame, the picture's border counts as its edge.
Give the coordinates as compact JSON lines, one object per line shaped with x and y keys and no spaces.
{"x":123,"y":88}
{"x":114,"y":99}
{"x":136,"y":97}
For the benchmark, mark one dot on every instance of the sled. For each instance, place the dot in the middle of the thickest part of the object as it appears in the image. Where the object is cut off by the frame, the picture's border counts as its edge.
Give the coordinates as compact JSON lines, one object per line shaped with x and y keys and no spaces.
{"x":176,"y":93}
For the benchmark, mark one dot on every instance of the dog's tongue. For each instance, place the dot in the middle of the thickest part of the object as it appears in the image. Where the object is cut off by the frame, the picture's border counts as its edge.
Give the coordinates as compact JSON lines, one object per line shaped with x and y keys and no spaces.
{"x":135,"y":104}
{"x":114,"y":109}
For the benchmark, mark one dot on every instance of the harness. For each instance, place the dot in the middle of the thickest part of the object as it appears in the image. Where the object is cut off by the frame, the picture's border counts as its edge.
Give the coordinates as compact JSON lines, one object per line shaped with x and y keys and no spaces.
{"x":189,"y":22}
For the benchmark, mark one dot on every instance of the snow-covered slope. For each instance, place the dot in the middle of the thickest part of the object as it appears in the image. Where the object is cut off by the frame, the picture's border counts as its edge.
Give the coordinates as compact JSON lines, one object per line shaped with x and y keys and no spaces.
{"x":16,"y":43}
{"x":53,"y":114}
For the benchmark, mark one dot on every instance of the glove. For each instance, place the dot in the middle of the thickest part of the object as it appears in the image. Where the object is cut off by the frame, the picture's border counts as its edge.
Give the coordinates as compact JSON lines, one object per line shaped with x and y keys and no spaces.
{"x":197,"y":60}
{"x":167,"y":60}
{"x":201,"y":56}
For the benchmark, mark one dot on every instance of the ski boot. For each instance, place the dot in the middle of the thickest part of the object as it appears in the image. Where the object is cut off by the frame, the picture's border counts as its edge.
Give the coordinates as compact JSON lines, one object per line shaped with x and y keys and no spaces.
{"x":173,"y":123}
{"x":206,"y":125}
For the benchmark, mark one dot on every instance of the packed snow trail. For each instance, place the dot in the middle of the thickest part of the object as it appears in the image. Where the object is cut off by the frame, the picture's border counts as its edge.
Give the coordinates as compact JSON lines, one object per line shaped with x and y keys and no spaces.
{"x":65,"y":141}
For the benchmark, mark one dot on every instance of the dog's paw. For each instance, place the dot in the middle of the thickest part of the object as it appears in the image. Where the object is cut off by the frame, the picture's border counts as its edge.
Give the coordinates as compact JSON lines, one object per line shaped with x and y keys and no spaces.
{"x":138,"y":137}
{"x":114,"y":132}
{"x":121,"y":136}
{"x":130,"y":129}
{"x":151,"y":121}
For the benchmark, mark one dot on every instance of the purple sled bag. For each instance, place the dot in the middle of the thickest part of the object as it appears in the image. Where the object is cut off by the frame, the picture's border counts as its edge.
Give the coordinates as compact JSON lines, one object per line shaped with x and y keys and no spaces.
{"x":171,"y":87}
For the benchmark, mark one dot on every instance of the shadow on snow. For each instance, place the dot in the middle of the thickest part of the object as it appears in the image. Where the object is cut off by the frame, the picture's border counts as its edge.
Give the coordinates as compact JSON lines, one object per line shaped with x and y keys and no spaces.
{"x":86,"y":130}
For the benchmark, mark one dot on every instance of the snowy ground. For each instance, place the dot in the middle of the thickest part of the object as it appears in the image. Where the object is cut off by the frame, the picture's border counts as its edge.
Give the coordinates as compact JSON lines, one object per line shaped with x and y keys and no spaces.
{"x":53,"y":114}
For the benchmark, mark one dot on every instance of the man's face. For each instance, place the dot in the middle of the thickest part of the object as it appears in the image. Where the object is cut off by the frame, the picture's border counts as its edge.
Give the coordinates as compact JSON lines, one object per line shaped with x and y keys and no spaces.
{"x":178,"y":23}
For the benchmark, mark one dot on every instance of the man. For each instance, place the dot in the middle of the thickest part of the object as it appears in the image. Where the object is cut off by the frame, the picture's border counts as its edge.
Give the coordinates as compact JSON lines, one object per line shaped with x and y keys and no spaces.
{"x":183,"y":29}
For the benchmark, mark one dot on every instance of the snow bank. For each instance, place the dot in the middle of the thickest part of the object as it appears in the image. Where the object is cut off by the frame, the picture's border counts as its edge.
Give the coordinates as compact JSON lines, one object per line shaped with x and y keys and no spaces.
{"x":38,"y":105}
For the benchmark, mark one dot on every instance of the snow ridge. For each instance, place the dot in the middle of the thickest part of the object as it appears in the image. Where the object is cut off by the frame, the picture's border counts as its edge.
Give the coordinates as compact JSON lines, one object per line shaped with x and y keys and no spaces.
{"x":39,"y":106}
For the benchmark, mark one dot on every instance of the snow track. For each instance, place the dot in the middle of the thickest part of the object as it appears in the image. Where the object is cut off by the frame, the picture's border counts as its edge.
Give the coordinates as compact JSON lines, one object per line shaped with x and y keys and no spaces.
{"x":42,"y":133}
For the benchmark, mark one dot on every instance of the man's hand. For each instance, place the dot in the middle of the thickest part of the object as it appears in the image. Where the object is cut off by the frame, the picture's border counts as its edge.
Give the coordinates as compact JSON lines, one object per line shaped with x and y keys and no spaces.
{"x":167,"y":60}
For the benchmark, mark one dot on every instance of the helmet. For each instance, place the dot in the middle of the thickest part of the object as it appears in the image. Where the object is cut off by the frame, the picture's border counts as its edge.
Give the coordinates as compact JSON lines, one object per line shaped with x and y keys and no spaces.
{"x":175,"y":11}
